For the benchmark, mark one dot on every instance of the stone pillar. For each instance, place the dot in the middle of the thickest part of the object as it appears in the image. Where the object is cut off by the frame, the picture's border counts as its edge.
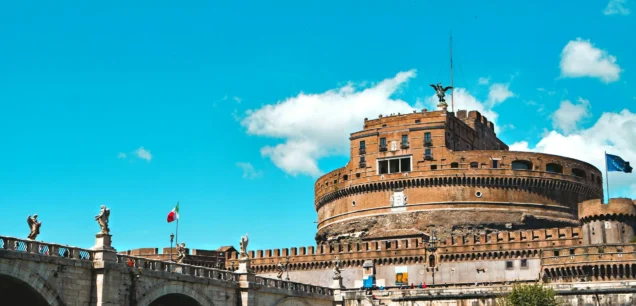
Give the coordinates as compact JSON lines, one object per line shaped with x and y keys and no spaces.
{"x":104,"y":258}
{"x":337,"y":291}
{"x":246,"y":279}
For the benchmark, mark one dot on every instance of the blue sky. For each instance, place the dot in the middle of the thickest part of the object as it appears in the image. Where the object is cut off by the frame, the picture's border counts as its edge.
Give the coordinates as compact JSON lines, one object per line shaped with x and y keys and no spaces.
{"x":235,"y":108}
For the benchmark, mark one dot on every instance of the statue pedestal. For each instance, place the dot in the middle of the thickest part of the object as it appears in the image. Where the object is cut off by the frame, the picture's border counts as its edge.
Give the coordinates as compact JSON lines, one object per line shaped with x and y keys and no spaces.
{"x":103,"y":249}
{"x":244,"y":265}
{"x":337,"y":293}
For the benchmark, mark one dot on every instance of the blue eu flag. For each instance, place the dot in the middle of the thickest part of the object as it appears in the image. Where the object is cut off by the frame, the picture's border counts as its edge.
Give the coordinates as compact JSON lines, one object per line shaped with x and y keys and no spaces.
{"x":615,"y":163}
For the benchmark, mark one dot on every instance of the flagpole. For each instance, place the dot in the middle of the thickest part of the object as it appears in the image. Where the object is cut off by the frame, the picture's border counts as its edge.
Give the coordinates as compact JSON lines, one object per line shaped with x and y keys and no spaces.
{"x":177,"y":236}
{"x":607,"y":179}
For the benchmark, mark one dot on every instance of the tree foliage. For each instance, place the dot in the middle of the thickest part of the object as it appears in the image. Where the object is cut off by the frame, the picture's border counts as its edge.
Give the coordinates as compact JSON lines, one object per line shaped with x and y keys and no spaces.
{"x":529,"y":295}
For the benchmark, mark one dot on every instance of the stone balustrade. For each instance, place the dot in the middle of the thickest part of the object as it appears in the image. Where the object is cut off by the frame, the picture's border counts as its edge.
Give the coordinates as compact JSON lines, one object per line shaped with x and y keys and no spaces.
{"x":44,"y":248}
{"x":185,"y":269}
{"x":283,"y":284}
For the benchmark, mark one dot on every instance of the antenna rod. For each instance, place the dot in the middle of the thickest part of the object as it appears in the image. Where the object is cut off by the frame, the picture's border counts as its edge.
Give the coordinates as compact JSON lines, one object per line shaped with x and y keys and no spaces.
{"x":451,"y":73}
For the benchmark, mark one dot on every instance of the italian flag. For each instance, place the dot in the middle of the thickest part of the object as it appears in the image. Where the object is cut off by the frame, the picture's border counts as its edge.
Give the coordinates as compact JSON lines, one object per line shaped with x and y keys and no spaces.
{"x":174,"y":214}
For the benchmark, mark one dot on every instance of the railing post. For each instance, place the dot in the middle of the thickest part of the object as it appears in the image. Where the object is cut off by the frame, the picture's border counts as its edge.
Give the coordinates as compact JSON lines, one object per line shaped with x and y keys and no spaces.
{"x":32,"y":247}
{"x":54,"y":250}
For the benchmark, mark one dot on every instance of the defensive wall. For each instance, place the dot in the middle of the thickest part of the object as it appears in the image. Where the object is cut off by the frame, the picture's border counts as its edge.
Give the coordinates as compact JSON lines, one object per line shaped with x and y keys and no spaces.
{"x":37,"y":273}
{"x":445,"y":177}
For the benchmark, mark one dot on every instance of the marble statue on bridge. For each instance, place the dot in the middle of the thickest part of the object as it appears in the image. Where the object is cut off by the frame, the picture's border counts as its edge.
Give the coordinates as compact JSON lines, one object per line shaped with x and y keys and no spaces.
{"x":34,"y":225}
{"x":102,"y":219}
{"x":243,"y":245}
{"x":181,"y":252}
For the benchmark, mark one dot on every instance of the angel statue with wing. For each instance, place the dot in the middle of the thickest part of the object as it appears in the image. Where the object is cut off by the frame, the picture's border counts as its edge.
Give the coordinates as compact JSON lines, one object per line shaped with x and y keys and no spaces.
{"x":102,"y":219}
{"x":441,"y":91}
{"x":243,"y":245}
{"x":34,"y":225}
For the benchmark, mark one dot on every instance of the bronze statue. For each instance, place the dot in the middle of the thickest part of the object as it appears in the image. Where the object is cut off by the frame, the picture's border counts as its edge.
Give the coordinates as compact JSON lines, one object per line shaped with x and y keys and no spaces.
{"x":181,"y":251}
{"x":243,"y":245}
{"x":34,"y":225}
{"x":336,"y":268}
{"x":102,"y":219}
{"x":441,"y":91}
{"x":280,"y":269}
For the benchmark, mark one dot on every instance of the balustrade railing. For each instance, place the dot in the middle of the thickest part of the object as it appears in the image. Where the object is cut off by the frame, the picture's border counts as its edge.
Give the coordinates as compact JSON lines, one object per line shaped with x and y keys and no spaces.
{"x":185,"y":269}
{"x":283,"y":284}
{"x":44,"y":248}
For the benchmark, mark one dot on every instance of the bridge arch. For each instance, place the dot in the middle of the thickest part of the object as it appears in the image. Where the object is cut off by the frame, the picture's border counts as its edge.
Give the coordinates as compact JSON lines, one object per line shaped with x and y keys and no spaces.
{"x":17,"y":277}
{"x":173,"y":288}
{"x":291,"y":301}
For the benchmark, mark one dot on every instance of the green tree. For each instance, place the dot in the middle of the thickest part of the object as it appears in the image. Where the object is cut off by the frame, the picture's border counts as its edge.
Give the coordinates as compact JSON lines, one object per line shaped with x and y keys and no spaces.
{"x":529,"y":295}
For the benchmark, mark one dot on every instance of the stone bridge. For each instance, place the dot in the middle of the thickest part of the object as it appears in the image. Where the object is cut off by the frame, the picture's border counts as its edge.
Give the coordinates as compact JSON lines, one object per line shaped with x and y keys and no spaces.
{"x":37,"y":273}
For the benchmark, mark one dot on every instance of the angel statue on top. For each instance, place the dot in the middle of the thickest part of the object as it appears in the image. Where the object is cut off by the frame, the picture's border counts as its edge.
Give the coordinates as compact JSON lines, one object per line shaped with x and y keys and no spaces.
{"x":34,"y":225}
{"x":243,"y":245}
{"x":441,"y":91}
{"x":102,"y":219}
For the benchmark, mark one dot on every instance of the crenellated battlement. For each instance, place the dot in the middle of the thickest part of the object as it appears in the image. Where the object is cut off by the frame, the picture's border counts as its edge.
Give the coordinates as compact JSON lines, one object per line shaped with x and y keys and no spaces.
{"x":594,"y":209}
{"x":397,"y":250}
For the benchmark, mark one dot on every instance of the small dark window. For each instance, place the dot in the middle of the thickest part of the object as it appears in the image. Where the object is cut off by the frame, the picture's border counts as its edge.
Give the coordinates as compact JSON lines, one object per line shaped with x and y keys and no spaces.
{"x":556,"y":252}
{"x":524,"y":263}
{"x":405,"y":138}
{"x":433,"y":167}
{"x":363,"y":159}
{"x":554,"y":168}
{"x":579,"y":172}
{"x":345,"y":177}
{"x":521,"y":165}
{"x":495,"y":164}
{"x":394,"y":165}
{"x":383,"y":142}
{"x":571,"y":251}
{"x":427,"y":137}
{"x":405,"y":164}
{"x":474,"y":165}
{"x":384,"y":125}
{"x":417,"y":120}
{"x":357,"y":174}
{"x":454,"y":165}
{"x":509,"y":265}
{"x":383,"y":166}
{"x":427,"y":152}
{"x":362,"y":144}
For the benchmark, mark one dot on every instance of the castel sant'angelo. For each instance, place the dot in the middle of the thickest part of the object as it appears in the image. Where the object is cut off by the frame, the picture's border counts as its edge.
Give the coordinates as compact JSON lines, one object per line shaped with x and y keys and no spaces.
{"x":435,"y":198}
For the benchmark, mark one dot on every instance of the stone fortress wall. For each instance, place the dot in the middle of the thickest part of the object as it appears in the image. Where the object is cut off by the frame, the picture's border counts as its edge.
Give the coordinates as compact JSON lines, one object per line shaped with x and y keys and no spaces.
{"x":457,"y":177}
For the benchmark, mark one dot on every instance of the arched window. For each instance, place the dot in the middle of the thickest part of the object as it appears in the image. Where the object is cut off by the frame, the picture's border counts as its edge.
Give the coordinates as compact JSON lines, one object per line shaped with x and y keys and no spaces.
{"x":521,"y":165}
{"x":554,"y":168}
{"x":579,"y":172}
{"x":454,"y":165}
{"x":474,"y":164}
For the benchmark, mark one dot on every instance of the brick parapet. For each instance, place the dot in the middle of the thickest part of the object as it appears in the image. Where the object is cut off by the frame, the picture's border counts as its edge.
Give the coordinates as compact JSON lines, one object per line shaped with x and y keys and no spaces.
{"x":594,"y":209}
{"x":466,"y":247}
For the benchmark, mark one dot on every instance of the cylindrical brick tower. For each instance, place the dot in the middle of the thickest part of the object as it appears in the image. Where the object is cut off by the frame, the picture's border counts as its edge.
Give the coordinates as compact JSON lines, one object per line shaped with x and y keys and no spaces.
{"x":411,"y":172}
{"x":607,"y":223}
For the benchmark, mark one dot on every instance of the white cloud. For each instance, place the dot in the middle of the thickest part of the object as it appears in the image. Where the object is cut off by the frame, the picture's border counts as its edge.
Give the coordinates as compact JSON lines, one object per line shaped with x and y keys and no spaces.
{"x":248,"y":171}
{"x":121,"y":155}
{"x":616,"y":7}
{"x":612,"y":133}
{"x":569,"y":115}
{"x":580,"y":58}
{"x":143,"y":154}
{"x":314,"y":126}
{"x":483,"y":81}
{"x":498,"y":93}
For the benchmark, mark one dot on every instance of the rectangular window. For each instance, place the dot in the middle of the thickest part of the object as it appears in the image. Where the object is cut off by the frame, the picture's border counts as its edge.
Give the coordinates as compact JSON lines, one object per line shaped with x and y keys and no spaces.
{"x":433,"y":167}
{"x":571,"y":251}
{"x":405,"y":138}
{"x":556,"y":253}
{"x":427,"y":137}
{"x":362,"y":144}
{"x":509,"y":265}
{"x":524,"y":263}
{"x":362,"y":159}
{"x":394,"y":165}
{"x":495,"y":163}
{"x":383,"y":167}
{"x":405,"y":165}
{"x":393,"y":145}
